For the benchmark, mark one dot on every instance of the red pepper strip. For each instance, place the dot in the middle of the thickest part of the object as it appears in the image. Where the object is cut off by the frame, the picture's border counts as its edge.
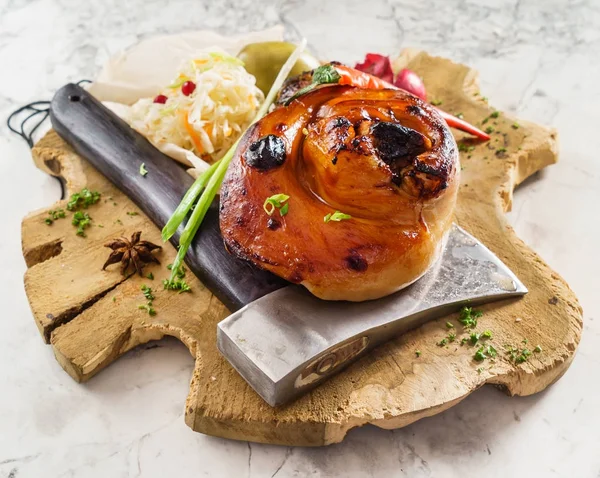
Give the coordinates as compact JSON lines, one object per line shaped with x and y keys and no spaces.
{"x":351,"y":76}
{"x":462,"y":125}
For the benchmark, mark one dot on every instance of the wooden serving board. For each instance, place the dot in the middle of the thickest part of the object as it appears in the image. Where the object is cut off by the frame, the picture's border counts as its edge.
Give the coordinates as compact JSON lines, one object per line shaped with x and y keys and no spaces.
{"x":91,"y":317}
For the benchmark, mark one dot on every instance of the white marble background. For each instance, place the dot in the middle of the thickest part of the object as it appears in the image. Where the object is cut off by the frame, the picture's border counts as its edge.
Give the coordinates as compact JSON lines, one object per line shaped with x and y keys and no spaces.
{"x":539,"y":59}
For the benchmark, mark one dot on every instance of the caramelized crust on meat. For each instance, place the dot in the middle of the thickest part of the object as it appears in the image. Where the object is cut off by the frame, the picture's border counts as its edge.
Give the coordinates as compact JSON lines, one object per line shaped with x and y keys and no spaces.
{"x":384,"y":157}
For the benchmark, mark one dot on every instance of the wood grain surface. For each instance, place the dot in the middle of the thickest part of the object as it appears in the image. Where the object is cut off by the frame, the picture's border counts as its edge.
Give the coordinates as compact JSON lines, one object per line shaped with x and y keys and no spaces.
{"x":91,"y":317}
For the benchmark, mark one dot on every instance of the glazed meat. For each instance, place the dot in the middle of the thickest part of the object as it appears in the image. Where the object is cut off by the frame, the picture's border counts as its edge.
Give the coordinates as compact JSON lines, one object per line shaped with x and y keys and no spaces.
{"x":382,"y":162}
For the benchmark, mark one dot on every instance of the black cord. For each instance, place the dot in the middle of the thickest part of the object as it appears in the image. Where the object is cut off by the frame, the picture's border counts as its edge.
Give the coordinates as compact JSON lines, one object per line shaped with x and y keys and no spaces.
{"x":41,"y":110}
{"x":34,"y":111}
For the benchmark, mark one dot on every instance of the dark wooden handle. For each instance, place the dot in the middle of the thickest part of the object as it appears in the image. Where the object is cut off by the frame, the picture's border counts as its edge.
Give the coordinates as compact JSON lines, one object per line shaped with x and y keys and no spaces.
{"x":117,"y":151}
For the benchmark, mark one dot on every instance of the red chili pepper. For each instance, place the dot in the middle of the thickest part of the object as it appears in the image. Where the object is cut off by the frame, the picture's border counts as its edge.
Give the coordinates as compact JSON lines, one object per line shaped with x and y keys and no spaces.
{"x":354,"y":77}
{"x":462,"y":125}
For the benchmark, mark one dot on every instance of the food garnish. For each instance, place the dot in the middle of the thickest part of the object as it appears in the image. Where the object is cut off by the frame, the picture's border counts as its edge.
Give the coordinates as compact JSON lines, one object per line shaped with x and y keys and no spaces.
{"x":378,"y":65}
{"x":212,"y":100}
{"x":81,"y":220}
{"x":54,"y":215}
{"x":410,"y":81}
{"x":148,"y":307}
{"x":83,"y":199}
{"x":337,"y":216}
{"x":212,"y":178}
{"x":143,"y":170}
{"x":275,"y":202}
{"x":134,"y":251}
{"x":468,"y":317}
{"x":147,"y":291}
{"x":176,"y":284}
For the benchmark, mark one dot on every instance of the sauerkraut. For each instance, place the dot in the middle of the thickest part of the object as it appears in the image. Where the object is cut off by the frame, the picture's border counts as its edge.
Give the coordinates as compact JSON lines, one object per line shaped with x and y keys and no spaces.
{"x":223,"y":101}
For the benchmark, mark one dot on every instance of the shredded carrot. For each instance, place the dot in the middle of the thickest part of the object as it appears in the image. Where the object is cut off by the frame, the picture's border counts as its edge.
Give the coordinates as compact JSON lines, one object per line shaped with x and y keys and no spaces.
{"x":191,"y":132}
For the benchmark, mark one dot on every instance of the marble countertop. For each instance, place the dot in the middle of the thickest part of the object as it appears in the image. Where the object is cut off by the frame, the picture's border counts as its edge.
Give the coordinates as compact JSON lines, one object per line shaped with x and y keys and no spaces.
{"x":537,"y":59}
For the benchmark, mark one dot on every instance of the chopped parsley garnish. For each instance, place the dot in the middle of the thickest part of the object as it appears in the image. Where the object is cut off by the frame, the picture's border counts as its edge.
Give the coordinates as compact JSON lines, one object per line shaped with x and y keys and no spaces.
{"x":537,"y":349}
{"x":436,"y":102}
{"x":479,"y":355}
{"x":459,"y":115}
{"x":500,"y":151}
{"x":284,"y":209}
{"x":489,"y":129}
{"x":487,"y":334}
{"x":465,"y":148}
{"x":150,"y":276}
{"x":147,"y":291}
{"x":176,"y":284}
{"x":143,"y":170}
{"x":468,"y":317}
{"x":83,"y":199}
{"x":337,"y":216}
{"x":418,"y":353}
{"x":495,"y":114}
{"x":133,"y":213}
{"x":449,"y":325}
{"x":451,"y":337}
{"x":148,"y":307}
{"x":525,"y":353}
{"x":485,"y":352}
{"x":54,"y":215}
{"x":516,"y":355}
{"x":275,"y":202}
{"x":442,"y":342}
{"x":81,"y":220}
{"x":474,"y":338}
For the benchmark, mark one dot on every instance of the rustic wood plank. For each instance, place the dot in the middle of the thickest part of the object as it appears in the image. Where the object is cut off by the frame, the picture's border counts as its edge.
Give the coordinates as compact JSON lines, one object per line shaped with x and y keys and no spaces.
{"x":95,"y":319}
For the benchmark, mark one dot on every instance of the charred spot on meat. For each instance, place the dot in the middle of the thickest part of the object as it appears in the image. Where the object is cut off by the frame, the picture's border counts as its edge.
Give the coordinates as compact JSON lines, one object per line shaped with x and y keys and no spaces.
{"x":356,"y":262}
{"x":273,"y":224}
{"x":266,"y":153}
{"x":395,"y":142}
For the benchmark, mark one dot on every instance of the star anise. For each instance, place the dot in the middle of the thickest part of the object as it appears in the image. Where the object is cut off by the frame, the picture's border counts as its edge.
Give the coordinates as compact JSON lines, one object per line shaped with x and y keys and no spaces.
{"x":134,"y":251}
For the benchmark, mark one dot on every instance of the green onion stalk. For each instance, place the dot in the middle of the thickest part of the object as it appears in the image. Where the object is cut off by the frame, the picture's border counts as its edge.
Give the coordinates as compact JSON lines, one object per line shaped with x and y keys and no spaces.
{"x":209,"y":182}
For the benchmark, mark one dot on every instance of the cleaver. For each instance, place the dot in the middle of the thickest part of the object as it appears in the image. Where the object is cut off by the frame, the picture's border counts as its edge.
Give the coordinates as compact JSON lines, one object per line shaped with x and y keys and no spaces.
{"x":281,"y":339}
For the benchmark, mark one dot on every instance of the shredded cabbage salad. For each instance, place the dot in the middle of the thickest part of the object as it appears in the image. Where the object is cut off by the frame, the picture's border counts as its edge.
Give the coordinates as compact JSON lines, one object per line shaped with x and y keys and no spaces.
{"x":210,"y":103}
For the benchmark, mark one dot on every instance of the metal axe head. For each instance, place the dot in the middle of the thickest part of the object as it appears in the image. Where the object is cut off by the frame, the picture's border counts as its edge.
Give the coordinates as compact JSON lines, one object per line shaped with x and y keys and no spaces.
{"x":288,"y":341}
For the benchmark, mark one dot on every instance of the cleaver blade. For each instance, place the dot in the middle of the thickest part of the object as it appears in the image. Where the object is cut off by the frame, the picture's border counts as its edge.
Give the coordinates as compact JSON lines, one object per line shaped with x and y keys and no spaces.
{"x":289,"y":341}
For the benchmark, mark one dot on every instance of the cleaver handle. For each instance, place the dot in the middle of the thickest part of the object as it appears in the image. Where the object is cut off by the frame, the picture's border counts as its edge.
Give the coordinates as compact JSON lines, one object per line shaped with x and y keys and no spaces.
{"x":117,"y":151}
